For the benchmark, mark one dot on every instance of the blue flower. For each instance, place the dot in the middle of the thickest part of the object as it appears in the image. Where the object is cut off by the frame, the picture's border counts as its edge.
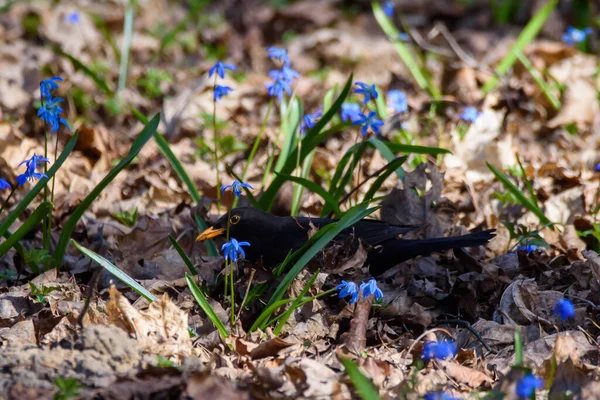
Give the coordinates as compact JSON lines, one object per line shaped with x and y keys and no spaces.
{"x":470,"y":114}
{"x":278,"y":54}
{"x":72,"y":18}
{"x":221,"y":91}
{"x":34,"y":162}
{"x":220,"y":68}
{"x":370,"y":288}
{"x":369,"y":121}
{"x":573,"y":35}
{"x":388,"y":8}
{"x":286,"y":73}
{"x":597,"y":168}
{"x":439,"y":350}
{"x":31,"y":164}
{"x":4,"y":184}
{"x":396,"y":99}
{"x":350,"y":112}
{"x":277,"y":88}
{"x":282,"y":79}
{"x":309,"y":120}
{"x":48,"y":85}
{"x":564,"y":309}
{"x":347,"y":289}
{"x":236,"y":187}
{"x":438,"y":396}
{"x":529,"y":248}
{"x":50,"y":112}
{"x":233,"y":251}
{"x":528,"y":385}
{"x":367,"y":91}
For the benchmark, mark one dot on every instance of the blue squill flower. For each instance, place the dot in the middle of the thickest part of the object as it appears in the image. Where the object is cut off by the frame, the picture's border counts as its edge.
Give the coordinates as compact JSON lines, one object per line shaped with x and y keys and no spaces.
{"x":350,"y":112}
{"x":50,"y":112}
{"x":233,"y":251}
{"x":396,"y":100}
{"x":347,"y":289}
{"x":73,"y":17}
{"x":220,"y":68}
{"x":564,"y":309}
{"x":597,"y":168}
{"x":370,"y":288}
{"x":48,"y":85}
{"x":470,"y":114}
{"x":221,"y":91}
{"x":278,"y":54}
{"x":31,"y":164}
{"x":236,"y":187}
{"x":439,"y":350}
{"x":527,"y":386}
{"x":309,"y":120}
{"x":529,"y":248}
{"x":286,"y":73}
{"x":370,"y":92}
{"x":574,"y":36}
{"x":438,"y":396}
{"x":388,"y":8}
{"x":369,"y":121}
{"x":277,"y":88}
{"x":4,"y":184}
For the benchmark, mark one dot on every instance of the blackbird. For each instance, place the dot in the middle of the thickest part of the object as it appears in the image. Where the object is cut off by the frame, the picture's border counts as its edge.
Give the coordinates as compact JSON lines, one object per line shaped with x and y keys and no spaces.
{"x":271,"y":238}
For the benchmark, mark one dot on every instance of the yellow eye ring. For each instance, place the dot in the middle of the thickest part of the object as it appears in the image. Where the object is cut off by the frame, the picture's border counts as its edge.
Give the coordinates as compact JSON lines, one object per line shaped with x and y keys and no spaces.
{"x":234,"y":219}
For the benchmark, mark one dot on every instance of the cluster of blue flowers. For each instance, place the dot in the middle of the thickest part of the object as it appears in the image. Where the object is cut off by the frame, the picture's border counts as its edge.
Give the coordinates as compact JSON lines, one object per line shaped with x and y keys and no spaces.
{"x":50,"y":111}
{"x":232,"y":250}
{"x":439,"y":350}
{"x":219,"y":70}
{"x":282,"y":77}
{"x":574,"y":36}
{"x":348,"y":289}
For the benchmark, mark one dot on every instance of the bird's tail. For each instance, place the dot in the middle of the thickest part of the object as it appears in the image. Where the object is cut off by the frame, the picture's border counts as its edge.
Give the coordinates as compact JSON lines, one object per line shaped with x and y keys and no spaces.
{"x":397,"y":251}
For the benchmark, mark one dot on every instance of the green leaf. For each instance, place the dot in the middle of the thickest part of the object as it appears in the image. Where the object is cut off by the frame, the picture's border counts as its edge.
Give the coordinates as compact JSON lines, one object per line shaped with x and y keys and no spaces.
{"x":100,"y":83}
{"x":211,"y":248}
{"x":295,"y":304}
{"x":34,"y":219}
{"x":525,"y":37}
{"x":205,"y":305}
{"x":69,"y":226}
{"x":311,"y":140}
{"x":292,"y":115}
{"x":8,"y":221}
{"x":314,"y":245}
{"x":328,"y":198}
{"x":183,"y":256}
{"x":420,"y":75}
{"x":393,"y":165}
{"x":523,"y":200}
{"x":113,"y":269}
{"x":362,"y":384}
{"x":537,"y":77}
{"x":410,"y":149}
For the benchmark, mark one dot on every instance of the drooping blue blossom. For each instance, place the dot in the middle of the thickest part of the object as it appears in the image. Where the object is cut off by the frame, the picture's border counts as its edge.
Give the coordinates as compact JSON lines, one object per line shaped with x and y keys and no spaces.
{"x":236,"y":187}
{"x":573,"y":35}
{"x":388,"y":8}
{"x":347,"y":289}
{"x":438,"y":396}
{"x":439,"y":350}
{"x":370,"y":92}
{"x":564,"y":309}
{"x":350,"y":112}
{"x":73,"y":18}
{"x":370,"y":288}
{"x":50,"y":112}
{"x":48,"y":85}
{"x":529,"y":248}
{"x":367,"y":121}
{"x":233,"y":251}
{"x":4,"y":184}
{"x":277,"y":88}
{"x":396,"y":100}
{"x":470,"y":114}
{"x":286,"y":73}
{"x":309,"y":120}
{"x":528,"y":385}
{"x":221,"y":91}
{"x":31,"y":164}
{"x":278,"y":54}
{"x":282,"y":80}
{"x":220,"y":68}
{"x":596,"y":168}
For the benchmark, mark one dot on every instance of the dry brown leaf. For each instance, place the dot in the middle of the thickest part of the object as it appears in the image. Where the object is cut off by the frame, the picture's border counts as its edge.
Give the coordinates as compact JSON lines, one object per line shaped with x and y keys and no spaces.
{"x":465,"y":375}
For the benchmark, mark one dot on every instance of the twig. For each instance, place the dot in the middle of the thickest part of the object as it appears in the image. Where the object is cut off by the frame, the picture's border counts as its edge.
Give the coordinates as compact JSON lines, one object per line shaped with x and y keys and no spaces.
{"x":89,"y":295}
{"x":356,"y":337}
{"x":471,"y":329}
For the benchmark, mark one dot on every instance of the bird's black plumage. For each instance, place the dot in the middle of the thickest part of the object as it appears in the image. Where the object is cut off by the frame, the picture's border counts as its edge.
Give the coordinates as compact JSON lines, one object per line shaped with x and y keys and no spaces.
{"x":272,"y":237}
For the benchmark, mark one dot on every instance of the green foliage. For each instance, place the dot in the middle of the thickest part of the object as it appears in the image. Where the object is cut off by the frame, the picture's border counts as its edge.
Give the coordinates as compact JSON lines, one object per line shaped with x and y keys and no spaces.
{"x":38,"y":260}
{"x":150,"y":82}
{"x":296,"y":303}
{"x":40,"y":293}
{"x":183,"y":256}
{"x":30,"y":223}
{"x":68,"y":388}
{"x":524,"y":236}
{"x":362,"y":384}
{"x":205,"y":306}
{"x":163,"y":362}
{"x":127,"y":218}
{"x":227,"y":144}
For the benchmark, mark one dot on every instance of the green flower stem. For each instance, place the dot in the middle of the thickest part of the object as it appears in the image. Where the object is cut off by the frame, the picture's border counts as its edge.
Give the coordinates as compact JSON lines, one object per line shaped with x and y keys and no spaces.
{"x":300,"y":304}
{"x":216,"y":144}
{"x":14,"y":189}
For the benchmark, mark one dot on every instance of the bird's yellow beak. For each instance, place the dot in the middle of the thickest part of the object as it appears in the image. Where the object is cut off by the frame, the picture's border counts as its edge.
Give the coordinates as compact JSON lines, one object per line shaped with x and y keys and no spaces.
{"x":210,"y":233}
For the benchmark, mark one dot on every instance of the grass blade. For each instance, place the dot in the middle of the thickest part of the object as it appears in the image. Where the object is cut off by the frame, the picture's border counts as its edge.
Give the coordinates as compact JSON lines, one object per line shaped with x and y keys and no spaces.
{"x":537,"y":77}
{"x":420,"y":76}
{"x":295,"y":304}
{"x":126,"y":49}
{"x":34,"y":219}
{"x":362,"y":384}
{"x":328,"y":198}
{"x":69,"y":226}
{"x":8,"y":221}
{"x":205,"y":306}
{"x":100,"y":83}
{"x":412,"y":149}
{"x":183,"y":256}
{"x":525,"y":37}
{"x":113,"y":269}
{"x":392,"y":166}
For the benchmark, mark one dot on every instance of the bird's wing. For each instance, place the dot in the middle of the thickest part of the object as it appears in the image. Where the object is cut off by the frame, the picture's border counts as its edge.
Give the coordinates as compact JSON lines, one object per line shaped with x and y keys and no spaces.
{"x":370,"y":231}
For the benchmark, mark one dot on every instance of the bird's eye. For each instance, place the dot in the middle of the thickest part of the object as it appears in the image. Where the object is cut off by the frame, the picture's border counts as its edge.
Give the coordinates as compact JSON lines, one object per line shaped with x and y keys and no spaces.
{"x":234,"y":219}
